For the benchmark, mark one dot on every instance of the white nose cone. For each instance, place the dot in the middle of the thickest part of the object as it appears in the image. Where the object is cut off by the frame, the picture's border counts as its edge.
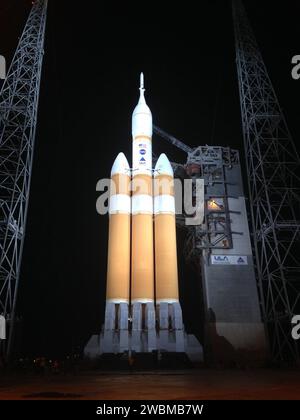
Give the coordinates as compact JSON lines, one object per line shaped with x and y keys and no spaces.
{"x":163,"y":166}
{"x":121,"y":165}
{"x":142,"y":117}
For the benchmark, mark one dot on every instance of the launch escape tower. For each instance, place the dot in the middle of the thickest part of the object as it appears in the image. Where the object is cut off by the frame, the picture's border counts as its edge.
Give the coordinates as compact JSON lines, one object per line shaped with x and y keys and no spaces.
{"x":273,"y":183}
{"x":18,"y":117}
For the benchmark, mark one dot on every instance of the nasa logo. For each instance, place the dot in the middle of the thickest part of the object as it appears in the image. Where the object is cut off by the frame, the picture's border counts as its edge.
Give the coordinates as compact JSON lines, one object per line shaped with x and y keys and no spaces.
{"x":142,"y":151}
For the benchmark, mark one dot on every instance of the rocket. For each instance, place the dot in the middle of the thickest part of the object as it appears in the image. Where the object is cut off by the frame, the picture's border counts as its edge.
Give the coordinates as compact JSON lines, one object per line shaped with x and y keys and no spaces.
{"x":142,"y":311}
{"x":142,"y":256}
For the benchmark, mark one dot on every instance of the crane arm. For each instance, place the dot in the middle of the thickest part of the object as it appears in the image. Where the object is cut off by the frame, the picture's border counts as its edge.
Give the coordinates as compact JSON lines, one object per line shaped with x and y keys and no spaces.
{"x":172,"y":139}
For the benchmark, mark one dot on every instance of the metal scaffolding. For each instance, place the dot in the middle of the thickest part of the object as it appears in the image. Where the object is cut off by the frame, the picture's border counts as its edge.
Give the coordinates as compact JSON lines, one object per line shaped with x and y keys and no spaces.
{"x":18,"y":117}
{"x":272,"y":166}
{"x":210,"y":164}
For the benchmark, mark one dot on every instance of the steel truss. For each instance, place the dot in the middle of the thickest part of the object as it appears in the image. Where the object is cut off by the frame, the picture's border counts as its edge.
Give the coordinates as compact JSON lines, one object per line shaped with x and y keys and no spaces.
{"x":18,"y":116}
{"x":209,"y":163}
{"x":272,"y":166}
{"x":215,"y":232}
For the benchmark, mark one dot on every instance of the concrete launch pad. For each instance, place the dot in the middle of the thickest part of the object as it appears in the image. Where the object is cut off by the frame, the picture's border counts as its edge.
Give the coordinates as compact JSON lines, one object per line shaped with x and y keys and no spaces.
{"x":194,"y":384}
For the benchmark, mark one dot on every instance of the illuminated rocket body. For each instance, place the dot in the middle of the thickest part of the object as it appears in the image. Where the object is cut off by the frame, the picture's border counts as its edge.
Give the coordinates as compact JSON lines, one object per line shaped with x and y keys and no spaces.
{"x":142,"y":249}
{"x":142,"y":258}
{"x":142,"y":310}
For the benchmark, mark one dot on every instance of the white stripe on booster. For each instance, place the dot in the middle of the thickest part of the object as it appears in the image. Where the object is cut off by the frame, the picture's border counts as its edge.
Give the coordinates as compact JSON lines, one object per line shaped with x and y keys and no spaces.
{"x":119,"y":203}
{"x":142,"y":204}
{"x":164,"y":204}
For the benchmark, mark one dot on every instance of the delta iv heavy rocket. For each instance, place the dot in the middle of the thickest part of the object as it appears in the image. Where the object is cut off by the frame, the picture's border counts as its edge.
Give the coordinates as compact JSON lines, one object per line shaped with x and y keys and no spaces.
{"x":142,"y":312}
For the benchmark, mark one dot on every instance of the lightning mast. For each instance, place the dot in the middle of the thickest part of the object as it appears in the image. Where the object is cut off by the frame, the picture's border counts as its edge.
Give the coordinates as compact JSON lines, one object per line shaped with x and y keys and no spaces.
{"x":18,"y":117}
{"x":272,"y":163}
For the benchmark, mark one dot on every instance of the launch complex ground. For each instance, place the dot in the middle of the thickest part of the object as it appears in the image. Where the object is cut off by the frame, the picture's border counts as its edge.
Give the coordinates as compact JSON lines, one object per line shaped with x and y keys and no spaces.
{"x":196,"y":384}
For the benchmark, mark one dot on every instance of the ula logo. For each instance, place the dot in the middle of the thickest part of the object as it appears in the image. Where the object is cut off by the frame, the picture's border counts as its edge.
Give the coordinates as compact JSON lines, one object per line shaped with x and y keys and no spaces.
{"x":296,"y":69}
{"x":296,"y":329}
{"x":2,"y":67}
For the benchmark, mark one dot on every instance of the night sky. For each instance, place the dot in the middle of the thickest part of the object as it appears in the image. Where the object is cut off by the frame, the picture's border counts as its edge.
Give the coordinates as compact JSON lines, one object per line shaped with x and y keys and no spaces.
{"x":93,"y":57}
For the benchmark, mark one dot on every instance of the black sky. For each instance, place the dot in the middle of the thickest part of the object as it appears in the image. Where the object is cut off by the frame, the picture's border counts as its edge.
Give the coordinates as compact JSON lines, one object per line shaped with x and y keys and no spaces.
{"x":93,"y":56}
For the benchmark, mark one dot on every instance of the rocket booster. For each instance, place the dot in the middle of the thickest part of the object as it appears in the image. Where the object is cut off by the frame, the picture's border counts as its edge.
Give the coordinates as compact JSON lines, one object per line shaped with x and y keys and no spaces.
{"x":118,"y":263}
{"x":166,"y":275}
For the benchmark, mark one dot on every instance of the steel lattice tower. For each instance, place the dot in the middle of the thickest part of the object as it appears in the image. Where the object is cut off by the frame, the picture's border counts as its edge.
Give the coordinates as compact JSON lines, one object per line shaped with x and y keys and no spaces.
{"x":272,"y":166}
{"x":18,"y":117}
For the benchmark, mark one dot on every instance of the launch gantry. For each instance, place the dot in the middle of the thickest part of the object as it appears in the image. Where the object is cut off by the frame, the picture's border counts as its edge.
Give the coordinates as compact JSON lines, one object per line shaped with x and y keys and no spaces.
{"x":209,"y":163}
{"x":219,"y":246}
{"x":18,"y":118}
{"x":272,"y":164}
